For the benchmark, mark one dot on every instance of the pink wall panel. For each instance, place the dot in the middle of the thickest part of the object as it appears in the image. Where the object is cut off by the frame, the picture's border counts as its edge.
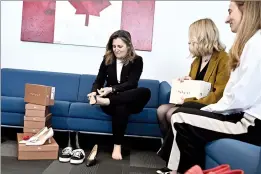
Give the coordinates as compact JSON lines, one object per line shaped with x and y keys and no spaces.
{"x":38,"y":21}
{"x":138,"y":18}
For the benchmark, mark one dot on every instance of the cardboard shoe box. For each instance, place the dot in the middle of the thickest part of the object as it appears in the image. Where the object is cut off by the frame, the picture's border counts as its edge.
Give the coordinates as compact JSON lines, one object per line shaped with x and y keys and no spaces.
{"x":37,"y":122}
{"x":43,"y":152}
{"x":36,"y":113}
{"x":39,"y":94}
{"x":33,"y":110}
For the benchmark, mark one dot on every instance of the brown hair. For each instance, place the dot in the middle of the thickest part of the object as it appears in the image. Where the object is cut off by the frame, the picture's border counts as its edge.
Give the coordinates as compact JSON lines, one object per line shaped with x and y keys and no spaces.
{"x":250,"y":24}
{"x":126,"y":38}
{"x":204,"y":38}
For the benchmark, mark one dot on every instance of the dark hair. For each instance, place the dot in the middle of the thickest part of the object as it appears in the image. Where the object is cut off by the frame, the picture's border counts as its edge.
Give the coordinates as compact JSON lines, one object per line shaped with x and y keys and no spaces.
{"x":125,"y":36}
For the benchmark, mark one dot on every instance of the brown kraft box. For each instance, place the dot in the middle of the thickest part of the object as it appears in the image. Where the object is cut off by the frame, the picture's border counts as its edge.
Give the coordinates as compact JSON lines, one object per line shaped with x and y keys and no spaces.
{"x":43,"y":152}
{"x":36,"y":113}
{"x":30,"y":106}
{"x":37,"y":122}
{"x":39,"y":94}
{"x":32,"y":131}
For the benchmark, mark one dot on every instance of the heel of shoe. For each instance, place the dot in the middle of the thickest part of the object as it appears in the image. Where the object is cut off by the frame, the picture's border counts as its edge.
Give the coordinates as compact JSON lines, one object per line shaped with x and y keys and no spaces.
{"x":49,"y":141}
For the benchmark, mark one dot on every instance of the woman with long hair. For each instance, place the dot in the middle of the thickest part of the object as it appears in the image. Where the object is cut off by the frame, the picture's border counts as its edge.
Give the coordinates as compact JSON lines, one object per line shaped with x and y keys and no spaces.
{"x":237,"y":115}
{"x":121,"y":69}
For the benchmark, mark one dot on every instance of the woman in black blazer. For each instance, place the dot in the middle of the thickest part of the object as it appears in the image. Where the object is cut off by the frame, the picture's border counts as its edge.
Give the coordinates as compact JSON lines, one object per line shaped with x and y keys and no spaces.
{"x":121,"y":68}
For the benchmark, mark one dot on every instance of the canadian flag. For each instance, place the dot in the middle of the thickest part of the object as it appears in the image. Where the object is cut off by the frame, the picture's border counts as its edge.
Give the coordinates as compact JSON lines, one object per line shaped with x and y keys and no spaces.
{"x":87,"y":22}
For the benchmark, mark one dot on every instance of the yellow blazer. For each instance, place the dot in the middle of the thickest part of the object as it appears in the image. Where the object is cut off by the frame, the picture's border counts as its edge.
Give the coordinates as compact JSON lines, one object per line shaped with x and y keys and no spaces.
{"x":217,"y":74}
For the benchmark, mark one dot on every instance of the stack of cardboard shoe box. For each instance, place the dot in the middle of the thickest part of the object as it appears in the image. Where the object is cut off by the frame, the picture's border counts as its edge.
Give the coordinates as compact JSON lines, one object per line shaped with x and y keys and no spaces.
{"x":38,"y":98}
{"x":36,"y":117}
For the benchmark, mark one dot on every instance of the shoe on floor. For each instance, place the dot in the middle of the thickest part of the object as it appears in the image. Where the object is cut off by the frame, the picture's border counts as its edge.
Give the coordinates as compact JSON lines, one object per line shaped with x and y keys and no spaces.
{"x":78,"y":156}
{"x":164,"y":170}
{"x":66,"y":154}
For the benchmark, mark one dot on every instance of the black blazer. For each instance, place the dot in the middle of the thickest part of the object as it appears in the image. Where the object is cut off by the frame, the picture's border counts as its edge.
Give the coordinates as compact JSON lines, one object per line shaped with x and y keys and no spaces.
{"x":130,"y":75}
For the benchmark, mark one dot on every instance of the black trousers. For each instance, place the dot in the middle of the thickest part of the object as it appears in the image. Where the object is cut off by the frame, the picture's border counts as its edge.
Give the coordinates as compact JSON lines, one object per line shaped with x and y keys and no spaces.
{"x":165,"y":149}
{"x":122,"y":105}
{"x":194,"y":128}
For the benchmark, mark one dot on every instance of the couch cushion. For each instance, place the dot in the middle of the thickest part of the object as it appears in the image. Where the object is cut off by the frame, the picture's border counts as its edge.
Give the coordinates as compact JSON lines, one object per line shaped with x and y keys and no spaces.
{"x":153,"y":85}
{"x":85,"y":110}
{"x":13,"y":83}
{"x":60,"y":108}
{"x":85,"y":87}
{"x":238,"y":154}
{"x":12,"y":104}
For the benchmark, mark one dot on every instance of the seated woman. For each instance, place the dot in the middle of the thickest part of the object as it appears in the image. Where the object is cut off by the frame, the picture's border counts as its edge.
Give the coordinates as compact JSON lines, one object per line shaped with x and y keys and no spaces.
{"x":210,"y":65}
{"x":237,"y":115}
{"x":121,"y":68}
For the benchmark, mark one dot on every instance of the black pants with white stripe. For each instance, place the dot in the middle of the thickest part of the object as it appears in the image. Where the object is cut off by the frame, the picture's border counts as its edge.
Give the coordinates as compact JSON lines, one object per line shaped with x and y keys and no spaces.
{"x":165,"y":149}
{"x":193,"y":129}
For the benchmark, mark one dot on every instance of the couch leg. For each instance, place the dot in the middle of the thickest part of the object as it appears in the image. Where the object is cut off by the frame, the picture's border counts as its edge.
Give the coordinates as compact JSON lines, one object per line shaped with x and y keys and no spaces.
{"x":3,"y":140}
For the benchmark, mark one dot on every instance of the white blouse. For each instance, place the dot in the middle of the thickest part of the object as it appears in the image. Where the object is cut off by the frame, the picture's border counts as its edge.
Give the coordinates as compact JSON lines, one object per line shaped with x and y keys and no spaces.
{"x":119,"y":68}
{"x":243,"y":90}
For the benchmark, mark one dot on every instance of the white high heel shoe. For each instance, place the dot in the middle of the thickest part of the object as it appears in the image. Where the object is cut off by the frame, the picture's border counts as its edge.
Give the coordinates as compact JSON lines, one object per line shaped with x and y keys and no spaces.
{"x":41,"y":139}
{"x":42,"y":131}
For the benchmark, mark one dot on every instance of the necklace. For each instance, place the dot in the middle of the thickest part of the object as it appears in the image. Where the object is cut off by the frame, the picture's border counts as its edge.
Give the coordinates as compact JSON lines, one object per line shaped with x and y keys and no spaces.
{"x":207,"y":58}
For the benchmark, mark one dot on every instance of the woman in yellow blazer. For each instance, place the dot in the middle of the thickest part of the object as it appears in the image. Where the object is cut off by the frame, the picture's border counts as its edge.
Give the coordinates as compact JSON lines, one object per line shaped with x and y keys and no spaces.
{"x":210,"y":65}
{"x":217,"y":74}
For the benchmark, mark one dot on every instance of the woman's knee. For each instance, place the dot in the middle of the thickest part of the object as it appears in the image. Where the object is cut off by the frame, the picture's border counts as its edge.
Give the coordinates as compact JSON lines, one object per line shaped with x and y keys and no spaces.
{"x":170,"y":112}
{"x":162,"y":110}
{"x":145,"y":92}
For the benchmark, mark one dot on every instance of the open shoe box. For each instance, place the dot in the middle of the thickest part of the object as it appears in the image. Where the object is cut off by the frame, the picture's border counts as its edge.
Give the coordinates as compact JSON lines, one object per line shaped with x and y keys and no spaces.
{"x":43,"y":152}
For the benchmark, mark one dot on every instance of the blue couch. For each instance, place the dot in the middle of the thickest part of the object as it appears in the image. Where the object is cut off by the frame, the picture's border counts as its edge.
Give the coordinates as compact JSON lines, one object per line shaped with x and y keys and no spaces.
{"x":72,"y":112}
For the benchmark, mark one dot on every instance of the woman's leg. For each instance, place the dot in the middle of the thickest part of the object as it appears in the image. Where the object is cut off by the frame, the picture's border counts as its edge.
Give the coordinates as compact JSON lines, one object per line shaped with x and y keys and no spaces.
{"x":120,"y":107}
{"x":165,"y":149}
{"x":194,"y":128}
{"x":137,"y":97}
{"x":120,"y":115}
{"x":170,"y":113}
{"x":162,"y":115}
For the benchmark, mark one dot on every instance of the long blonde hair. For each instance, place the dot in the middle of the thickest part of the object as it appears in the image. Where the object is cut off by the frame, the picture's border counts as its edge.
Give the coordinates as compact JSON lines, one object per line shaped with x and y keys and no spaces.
{"x":204,"y":38}
{"x":250,"y":24}
{"x":126,"y":38}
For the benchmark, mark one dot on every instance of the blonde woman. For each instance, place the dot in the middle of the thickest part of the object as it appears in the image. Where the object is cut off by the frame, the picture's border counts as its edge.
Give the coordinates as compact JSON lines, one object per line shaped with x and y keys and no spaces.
{"x":210,"y":65}
{"x":237,"y":115}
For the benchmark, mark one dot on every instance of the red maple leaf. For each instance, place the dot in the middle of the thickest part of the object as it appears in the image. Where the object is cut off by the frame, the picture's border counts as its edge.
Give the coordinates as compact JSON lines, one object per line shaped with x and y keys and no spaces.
{"x":90,"y":7}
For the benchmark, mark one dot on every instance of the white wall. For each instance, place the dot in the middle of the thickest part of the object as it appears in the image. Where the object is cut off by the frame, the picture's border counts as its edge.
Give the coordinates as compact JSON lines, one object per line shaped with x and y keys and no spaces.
{"x":167,"y":60}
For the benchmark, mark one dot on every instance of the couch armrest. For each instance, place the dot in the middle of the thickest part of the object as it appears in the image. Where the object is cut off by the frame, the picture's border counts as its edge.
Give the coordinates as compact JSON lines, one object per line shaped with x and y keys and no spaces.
{"x":258,"y":171}
{"x":164,"y":93}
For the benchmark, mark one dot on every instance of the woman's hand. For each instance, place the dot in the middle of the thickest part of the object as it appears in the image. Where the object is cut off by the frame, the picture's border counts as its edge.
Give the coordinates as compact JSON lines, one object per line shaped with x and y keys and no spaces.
{"x":184,"y":78}
{"x":104,"y":91}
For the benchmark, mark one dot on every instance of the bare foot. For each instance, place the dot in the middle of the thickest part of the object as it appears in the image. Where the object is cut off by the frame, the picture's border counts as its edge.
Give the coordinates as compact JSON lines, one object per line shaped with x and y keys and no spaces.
{"x":102,"y":101}
{"x":116,"y":154}
{"x":92,"y":100}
